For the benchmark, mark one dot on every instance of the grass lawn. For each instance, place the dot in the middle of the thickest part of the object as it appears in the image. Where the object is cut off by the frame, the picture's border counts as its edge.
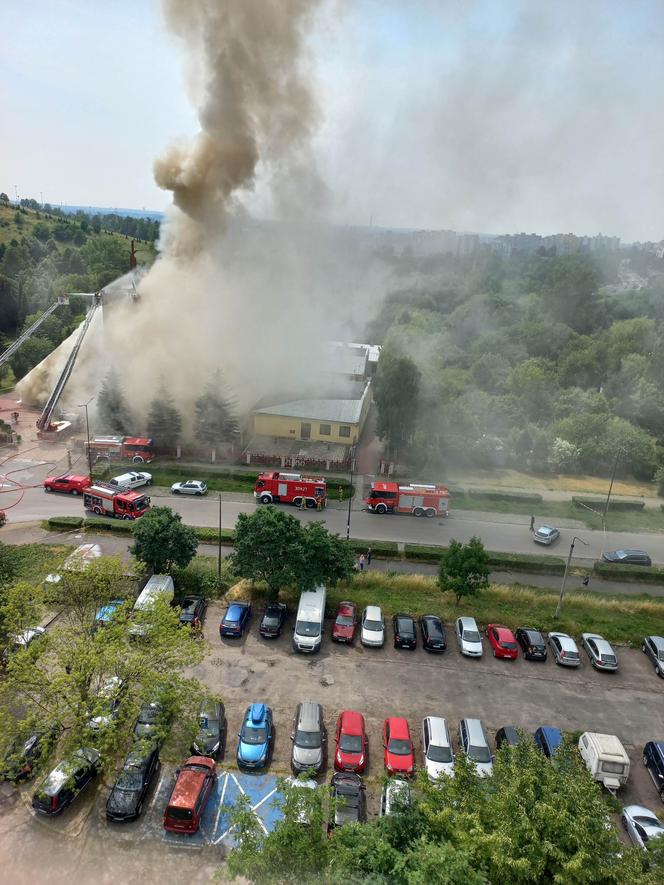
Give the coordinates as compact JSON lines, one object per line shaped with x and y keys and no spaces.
{"x":34,"y":561}
{"x":647,"y":520}
{"x":595,"y":485}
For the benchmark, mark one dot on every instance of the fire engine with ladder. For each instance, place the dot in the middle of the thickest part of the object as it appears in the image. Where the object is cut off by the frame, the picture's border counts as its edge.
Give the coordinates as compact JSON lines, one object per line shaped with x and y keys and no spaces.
{"x":104,"y":499}
{"x":290,"y":488}
{"x":415,"y":498}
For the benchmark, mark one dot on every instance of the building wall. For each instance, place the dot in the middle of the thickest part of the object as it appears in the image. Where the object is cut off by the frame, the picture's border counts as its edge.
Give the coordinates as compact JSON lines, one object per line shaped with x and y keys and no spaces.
{"x":290,"y":428}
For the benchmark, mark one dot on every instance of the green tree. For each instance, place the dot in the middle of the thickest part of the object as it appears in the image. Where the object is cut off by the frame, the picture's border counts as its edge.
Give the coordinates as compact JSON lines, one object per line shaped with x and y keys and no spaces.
{"x":396,"y":392}
{"x":328,"y":558}
{"x":29,"y":354}
{"x":164,"y":422}
{"x":161,"y":540}
{"x":112,"y":409}
{"x":215,"y":420}
{"x":464,"y":569}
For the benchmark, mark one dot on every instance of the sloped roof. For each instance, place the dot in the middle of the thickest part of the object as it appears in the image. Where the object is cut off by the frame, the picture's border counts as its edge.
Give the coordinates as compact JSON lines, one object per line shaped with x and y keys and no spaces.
{"x":343,"y":411}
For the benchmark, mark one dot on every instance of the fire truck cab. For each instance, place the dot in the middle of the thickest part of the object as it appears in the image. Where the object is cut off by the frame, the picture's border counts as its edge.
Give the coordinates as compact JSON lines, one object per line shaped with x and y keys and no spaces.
{"x":290,"y":488}
{"x":416,"y":498}
{"x":105,"y":500}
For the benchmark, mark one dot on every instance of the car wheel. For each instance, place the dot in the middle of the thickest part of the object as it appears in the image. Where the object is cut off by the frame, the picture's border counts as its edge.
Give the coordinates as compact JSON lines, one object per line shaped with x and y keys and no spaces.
{"x":658,"y":670}
{"x":74,"y":492}
{"x":494,"y":653}
{"x":139,"y":810}
{"x":176,"y":491}
{"x":266,"y":499}
{"x":645,"y":760}
{"x":418,"y":511}
{"x":198,"y":494}
{"x":643,"y":648}
{"x":97,"y":510}
{"x":381,"y":508}
{"x":661,"y":795}
{"x":126,"y":517}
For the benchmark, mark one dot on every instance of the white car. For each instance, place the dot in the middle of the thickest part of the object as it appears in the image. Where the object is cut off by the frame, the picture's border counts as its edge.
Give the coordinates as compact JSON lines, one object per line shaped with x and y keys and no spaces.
{"x":564,"y":649}
{"x":131,"y":480}
{"x":437,"y":747}
{"x":77,"y":561}
{"x":395,"y":796}
{"x":302,"y":813}
{"x":23,"y":640}
{"x":110,"y":693}
{"x":190,"y":487}
{"x":469,"y":637}
{"x":641,"y":824}
{"x":372,"y":632}
{"x":600,"y":652}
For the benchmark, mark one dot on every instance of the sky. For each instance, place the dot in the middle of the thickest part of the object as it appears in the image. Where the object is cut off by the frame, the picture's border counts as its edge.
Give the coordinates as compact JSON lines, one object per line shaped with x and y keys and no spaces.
{"x":497,"y":117}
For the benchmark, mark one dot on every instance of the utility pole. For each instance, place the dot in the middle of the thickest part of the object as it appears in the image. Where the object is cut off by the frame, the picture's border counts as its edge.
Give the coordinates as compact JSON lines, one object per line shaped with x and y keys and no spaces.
{"x":87,"y":433}
{"x":350,"y":493}
{"x":562,"y":589}
{"x":608,"y":497}
{"x":219,"y":538}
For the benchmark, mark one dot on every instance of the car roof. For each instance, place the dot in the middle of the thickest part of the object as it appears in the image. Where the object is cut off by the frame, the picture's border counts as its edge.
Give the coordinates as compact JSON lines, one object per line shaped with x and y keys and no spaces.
{"x":468,"y":622}
{"x":432,"y":618}
{"x":658,"y":642}
{"x":502,"y":631}
{"x":551,"y":733}
{"x":547,"y":528}
{"x":256,"y":714}
{"x":352,"y":722}
{"x":510,"y":733}
{"x":565,"y":641}
{"x":476,"y":733}
{"x":438,"y":731}
{"x":398,"y":727}
{"x":641,"y":810}
{"x":345,"y":607}
{"x":373,"y":612}
{"x":187,"y":786}
{"x":532,"y":631}
{"x":603,"y":645}
{"x":308,"y":717}
{"x":236,"y":607}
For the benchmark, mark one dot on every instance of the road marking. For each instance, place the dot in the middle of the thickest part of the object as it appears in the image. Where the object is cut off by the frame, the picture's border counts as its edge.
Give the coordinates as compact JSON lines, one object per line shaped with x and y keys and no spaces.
{"x":221,"y":805}
{"x":229,"y":830}
{"x":157,"y":788}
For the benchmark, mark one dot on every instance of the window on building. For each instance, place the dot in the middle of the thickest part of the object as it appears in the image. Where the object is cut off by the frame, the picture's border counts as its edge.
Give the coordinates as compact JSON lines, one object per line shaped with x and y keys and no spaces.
{"x":344,"y":431}
{"x":325,"y":429}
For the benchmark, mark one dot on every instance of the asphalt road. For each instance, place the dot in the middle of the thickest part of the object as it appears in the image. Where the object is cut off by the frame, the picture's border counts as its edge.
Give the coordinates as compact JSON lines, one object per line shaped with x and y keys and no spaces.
{"x":81,"y":847}
{"x":498,"y":531}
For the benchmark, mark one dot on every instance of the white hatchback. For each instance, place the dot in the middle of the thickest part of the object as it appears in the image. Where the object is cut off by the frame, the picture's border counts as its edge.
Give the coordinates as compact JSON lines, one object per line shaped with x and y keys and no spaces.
{"x":437,"y":748}
{"x":372,"y":632}
{"x":469,"y":637}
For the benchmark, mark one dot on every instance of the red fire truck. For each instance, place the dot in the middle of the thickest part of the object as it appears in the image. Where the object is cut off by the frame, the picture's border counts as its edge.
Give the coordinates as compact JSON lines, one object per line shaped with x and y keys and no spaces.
{"x":290,"y":488}
{"x":115,"y":448}
{"x":105,"y":500}
{"x":416,"y":498}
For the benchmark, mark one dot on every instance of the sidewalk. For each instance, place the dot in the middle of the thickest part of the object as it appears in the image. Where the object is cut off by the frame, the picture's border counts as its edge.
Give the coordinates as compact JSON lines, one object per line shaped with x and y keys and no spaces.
{"x":559,"y":494}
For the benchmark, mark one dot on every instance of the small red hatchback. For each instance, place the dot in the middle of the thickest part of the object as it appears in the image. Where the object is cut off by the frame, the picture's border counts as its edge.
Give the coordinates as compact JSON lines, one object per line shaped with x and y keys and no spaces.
{"x":345,"y":623}
{"x":351,"y":741}
{"x":399,"y":752}
{"x":190,"y":794}
{"x":502,"y":641}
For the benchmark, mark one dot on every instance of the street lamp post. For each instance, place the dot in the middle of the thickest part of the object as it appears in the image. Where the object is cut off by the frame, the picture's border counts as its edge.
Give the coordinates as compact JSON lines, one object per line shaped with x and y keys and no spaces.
{"x":87,"y":433}
{"x":219,"y":538}
{"x":608,"y":497}
{"x":562,"y":588}
{"x":350,"y":493}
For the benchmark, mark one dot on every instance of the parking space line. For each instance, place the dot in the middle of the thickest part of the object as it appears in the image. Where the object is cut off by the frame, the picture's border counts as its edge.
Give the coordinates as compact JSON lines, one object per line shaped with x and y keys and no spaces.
{"x":156,"y":789}
{"x":221,"y":805}
{"x":258,"y":805}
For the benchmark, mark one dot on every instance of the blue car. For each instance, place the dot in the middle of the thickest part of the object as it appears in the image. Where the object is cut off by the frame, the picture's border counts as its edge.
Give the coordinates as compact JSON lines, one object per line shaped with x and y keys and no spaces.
{"x":106,"y":612}
{"x":235,"y":619}
{"x":548,"y":739}
{"x":253,"y":748}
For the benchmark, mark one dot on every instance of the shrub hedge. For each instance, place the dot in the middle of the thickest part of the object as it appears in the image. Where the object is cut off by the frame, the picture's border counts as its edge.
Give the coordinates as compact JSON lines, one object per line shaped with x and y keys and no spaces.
{"x":424,"y":552}
{"x":64,"y":522}
{"x":379,"y":549}
{"x":526,"y":562}
{"x":636,"y":573}
{"x":519,"y":497}
{"x":613,"y":505}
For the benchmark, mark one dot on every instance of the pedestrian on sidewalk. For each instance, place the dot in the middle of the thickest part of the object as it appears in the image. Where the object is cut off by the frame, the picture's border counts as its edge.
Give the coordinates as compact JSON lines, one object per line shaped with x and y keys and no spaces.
{"x":361,"y":562}
{"x":586,"y":581}
{"x":369,"y":555}
{"x":341,"y":493}
{"x":532,"y":523}
{"x":319,"y":504}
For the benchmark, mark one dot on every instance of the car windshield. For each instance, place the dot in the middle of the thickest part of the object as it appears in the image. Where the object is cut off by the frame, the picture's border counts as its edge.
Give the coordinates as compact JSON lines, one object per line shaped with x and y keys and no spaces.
{"x":439,"y":754}
{"x":230,"y":622}
{"x":511,"y":646}
{"x":400,"y":747}
{"x":479,"y":754}
{"x":374,"y":626}
{"x":253,"y":735}
{"x":434,"y":629}
{"x":209,"y":726}
{"x":650,"y":822}
{"x":149,"y":715}
{"x":471,"y":636}
{"x":270,"y":620}
{"x":130,"y":779}
{"x":310,"y":740}
{"x":350,"y":743}
{"x":344,"y":621}
{"x":405,"y":626}
{"x":307,"y":628}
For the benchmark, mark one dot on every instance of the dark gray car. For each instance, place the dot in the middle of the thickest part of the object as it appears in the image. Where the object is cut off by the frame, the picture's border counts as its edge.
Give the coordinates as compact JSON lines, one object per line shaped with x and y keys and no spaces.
{"x":653,"y":647}
{"x":627,"y":557}
{"x":211,"y":729}
{"x":308,"y":737}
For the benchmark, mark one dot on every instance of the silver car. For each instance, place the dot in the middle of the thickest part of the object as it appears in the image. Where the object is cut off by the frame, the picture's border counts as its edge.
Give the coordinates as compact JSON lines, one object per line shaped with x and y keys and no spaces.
{"x":475,"y":744}
{"x":642,"y":824}
{"x":469,"y":637}
{"x":395,"y":796}
{"x":372,"y":630}
{"x":308,"y":737}
{"x":601,"y":655}
{"x":546,"y":534}
{"x":190,"y":487}
{"x":653,"y":647}
{"x":564,"y":650}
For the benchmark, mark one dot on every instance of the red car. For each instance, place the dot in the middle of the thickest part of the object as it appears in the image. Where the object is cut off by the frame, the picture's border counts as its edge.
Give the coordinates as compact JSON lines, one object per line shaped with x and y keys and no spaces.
{"x":343,"y":629}
{"x":502,"y":641}
{"x":195,"y":781}
{"x":399,"y":752}
{"x":351,"y":741}
{"x":68,"y":483}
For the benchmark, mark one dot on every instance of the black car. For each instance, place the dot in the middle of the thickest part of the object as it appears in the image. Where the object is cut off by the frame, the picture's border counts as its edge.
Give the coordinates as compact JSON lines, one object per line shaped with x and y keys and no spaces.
{"x":433,"y":633}
{"x":211,"y":729}
{"x":349,"y":804}
{"x":627,"y":557}
{"x":532,"y":643}
{"x":273,"y":620}
{"x":66,"y":781}
{"x":405,"y":633}
{"x":653,"y":759}
{"x":25,"y":753}
{"x":128,"y":794}
{"x":507,"y":735}
{"x":150,"y":720}
{"x":192,"y":611}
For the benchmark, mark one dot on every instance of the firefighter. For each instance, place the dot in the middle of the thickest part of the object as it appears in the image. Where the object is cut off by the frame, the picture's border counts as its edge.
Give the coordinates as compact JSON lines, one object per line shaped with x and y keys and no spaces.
{"x":319,"y":503}
{"x":341,"y":493}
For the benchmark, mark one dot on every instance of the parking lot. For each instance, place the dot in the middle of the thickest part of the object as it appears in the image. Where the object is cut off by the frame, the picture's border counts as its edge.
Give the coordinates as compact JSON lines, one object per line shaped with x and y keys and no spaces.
{"x":378,"y":683}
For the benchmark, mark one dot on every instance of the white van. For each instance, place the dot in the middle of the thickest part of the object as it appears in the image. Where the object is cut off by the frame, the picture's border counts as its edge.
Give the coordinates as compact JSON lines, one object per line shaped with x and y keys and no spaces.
{"x":158,"y":586}
{"x":308,"y":634}
{"x":605,"y":758}
{"x":131,"y":480}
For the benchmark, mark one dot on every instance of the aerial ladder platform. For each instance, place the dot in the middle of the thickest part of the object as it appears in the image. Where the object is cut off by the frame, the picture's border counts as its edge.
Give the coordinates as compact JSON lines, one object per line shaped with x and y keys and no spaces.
{"x":11,"y":350}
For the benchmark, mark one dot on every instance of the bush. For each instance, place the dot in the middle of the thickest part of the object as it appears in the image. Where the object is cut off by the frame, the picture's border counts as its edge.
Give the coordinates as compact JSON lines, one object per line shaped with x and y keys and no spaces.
{"x":518,"y":497}
{"x":118,"y":526}
{"x":635,"y":573}
{"x":598,"y":506}
{"x":527,"y":562}
{"x":423,"y":552}
{"x":64,"y":522}
{"x":209,"y":535}
{"x":201,"y":578}
{"x":379,"y":549}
